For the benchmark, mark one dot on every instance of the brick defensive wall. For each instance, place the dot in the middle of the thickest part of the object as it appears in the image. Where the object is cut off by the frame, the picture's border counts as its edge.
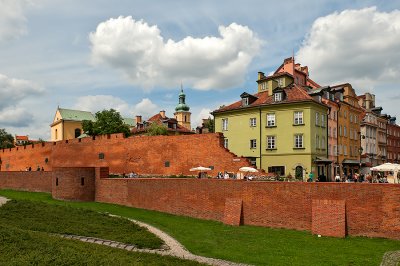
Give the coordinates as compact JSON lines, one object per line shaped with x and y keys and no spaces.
{"x":149,"y":155}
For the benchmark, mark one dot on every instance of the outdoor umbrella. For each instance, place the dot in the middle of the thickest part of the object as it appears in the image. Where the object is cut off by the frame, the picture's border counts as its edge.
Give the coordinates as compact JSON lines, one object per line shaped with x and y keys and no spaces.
{"x":248,"y":169}
{"x":200,"y":169}
{"x":386,"y":167}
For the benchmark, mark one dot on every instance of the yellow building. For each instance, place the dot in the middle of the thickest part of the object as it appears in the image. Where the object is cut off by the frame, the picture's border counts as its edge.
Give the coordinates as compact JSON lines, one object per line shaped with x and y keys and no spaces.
{"x":67,"y":123}
{"x":281,"y":129}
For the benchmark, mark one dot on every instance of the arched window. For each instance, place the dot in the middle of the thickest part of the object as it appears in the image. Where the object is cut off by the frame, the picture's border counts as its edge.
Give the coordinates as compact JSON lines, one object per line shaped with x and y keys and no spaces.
{"x":56,"y":133}
{"x":185,"y":118}
{"x":77,"y":132}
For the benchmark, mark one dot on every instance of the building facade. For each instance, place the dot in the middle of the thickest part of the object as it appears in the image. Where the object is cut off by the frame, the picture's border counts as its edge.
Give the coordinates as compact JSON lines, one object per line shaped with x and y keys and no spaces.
{"x":281,"y":129}
{"x":393,"y":141}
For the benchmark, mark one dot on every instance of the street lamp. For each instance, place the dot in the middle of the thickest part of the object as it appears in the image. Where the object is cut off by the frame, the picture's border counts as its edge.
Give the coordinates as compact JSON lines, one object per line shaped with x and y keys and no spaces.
{"x":360,"y":151}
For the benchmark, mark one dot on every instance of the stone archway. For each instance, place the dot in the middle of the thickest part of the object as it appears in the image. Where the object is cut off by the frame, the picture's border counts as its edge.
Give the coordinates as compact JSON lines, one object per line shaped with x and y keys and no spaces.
{"x":299,"y":171}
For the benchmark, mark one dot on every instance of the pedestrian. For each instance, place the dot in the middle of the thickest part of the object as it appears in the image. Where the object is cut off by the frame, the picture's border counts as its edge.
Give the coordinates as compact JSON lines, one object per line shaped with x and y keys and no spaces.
{"x":337,"y":178}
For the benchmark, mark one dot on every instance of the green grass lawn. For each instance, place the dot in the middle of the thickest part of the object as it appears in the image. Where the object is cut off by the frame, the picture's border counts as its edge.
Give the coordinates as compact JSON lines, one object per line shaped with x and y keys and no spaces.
{"x":39,"y":216}
{"x":247,"y":244}
{"x":24,"y":247}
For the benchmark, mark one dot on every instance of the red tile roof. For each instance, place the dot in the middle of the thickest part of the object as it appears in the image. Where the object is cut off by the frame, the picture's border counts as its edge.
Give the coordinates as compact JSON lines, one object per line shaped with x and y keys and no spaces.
{"x":294,"y":93}
{"x":22,"y":138}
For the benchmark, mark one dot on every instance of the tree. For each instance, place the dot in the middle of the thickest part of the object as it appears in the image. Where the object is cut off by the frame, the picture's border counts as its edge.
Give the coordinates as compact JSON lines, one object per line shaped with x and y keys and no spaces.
{"x":107,"y":122}
{"x":155,"y":129}
{"x":6,"y":139}
{"x":210,"y":125}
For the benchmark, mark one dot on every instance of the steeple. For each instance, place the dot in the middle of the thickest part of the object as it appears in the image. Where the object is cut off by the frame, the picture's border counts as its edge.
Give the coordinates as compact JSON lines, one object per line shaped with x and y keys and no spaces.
{"x":182,"y":106}
{"x":182,"y":114}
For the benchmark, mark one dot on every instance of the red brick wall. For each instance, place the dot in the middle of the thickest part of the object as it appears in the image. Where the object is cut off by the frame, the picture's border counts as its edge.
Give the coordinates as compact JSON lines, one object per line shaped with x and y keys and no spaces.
{"x":29,"y":181}
{"x":139,"y":154}
{"x":20,"y":158}
{"x":73,"y":183}
{"x":329,"y":217}
{"x":371,"y":209}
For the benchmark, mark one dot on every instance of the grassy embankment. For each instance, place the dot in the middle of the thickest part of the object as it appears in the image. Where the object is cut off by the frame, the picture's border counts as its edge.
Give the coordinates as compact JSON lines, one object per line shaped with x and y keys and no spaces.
{"x":247,"y":244}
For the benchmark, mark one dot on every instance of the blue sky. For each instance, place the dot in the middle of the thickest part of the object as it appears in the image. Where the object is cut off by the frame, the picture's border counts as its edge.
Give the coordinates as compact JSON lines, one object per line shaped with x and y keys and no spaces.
{"x":133,"y":55}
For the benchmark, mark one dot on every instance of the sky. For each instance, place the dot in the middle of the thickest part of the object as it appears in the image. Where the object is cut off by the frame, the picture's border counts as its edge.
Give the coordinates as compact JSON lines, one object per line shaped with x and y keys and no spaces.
{"x":134,"y":55}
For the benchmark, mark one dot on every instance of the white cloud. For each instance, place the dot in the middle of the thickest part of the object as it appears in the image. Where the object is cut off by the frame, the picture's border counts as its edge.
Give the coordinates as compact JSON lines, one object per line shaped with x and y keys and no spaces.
{"x":141,"y":53}
{"x":13,"y":92}
{"x":145,"y":108}
{"x":203,"y":114}
{"x":12,"y":19}
{"x":94,"y":103}
{"x":15,"y":117}
{"x":356,"y":46}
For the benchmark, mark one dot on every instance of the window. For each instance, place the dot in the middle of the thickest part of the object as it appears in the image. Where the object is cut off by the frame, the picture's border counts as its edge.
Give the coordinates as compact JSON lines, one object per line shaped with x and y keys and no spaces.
{"x":271,"y":142}
{"x":278,"y":96}
{"x":317,"y":119}
{"x":351,"y":118}
{"x":355,"y":119}
{"x":330,"y":149}
{"x":263,"y":86}
{"x":56,"y":133}
{"x":253,"y":143}
{"x":225,"y":124}
{"x":253,"y":122}
{"x":270,"y":120}
{"x":77,"y":132}
{"x":317,"y":142}
{"x":340,"y":130}
{"x":245,"y":101}
{"x":298,"y":141}
{"x":280,"y":83}
{"x":334,"y":115}
{"x":345,"y":114}
{"x":298,"y":118}
{"x":335,"y":150}
{"x":226,"y":143}
{"x":323,"y":143}
{"x":334,"y":132}
{"x":279,"y":170}
{"x":329,"y":131}
{"x":345,"y":131}
{"x":344,"y":150}
{"x":322,"y":120}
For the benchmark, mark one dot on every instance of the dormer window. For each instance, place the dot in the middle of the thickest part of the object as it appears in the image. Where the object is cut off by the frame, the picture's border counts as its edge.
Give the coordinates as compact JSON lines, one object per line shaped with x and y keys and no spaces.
{"x":245,"y":101}
{"x":278,"y":96}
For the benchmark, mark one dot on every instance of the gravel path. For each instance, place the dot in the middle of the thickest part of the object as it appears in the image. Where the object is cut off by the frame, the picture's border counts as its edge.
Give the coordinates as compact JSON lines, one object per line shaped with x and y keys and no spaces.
{"x":171,"y":247}
{"x":175,"y":249}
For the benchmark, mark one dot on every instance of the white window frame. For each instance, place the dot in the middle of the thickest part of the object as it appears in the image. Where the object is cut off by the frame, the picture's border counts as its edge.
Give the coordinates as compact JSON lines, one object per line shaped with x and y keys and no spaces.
{"x":271,"y":122}
{"x":322,"y":120}
{"x":278,"y":96}
{"x":317,"y":119}
{"x":226,"y":143}
{"x":253,"y":144}
{"x":224,"y":124}
{"x":245,"y":101}
{"x":298,"y":141}
{"x":253,"y":122}
{"x":271,"y":142}
{"x":298,"y":118}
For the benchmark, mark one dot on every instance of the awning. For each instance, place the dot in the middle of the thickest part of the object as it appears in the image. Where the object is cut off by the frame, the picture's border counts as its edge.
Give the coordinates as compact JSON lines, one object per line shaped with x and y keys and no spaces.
{"x":322,"y":160}
{"x":349,"y":161}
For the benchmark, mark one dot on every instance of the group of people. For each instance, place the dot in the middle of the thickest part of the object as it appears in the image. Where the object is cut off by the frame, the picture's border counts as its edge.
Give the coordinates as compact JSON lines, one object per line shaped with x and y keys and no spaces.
{"x":29,"y":168}
{"x":224,"y":175}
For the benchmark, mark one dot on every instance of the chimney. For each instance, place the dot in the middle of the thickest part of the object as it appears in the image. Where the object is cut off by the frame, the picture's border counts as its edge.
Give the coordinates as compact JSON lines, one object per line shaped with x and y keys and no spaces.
{"x":260,"y":75}
{"x":162,"y":113}
{"x":138,"y":119}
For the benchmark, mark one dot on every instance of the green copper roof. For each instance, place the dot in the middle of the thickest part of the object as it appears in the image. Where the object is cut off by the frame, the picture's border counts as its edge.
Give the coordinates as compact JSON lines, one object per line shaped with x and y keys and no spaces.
{"x":182,"y":106}
{"x":76,"y":115}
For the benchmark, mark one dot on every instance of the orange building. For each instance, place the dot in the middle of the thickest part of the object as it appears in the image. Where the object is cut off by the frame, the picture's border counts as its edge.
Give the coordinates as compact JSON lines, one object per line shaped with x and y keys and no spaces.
{"x":349,"y":143}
